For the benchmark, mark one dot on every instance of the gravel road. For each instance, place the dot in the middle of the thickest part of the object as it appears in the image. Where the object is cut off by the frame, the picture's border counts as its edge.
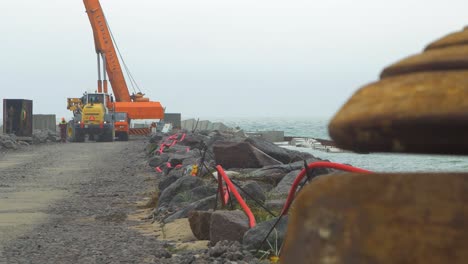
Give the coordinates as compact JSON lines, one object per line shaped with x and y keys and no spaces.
{"x":68,"y":203}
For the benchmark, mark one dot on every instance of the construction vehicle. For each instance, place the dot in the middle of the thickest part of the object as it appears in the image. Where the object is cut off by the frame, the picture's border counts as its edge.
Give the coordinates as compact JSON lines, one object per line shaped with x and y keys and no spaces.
{"x":122,"y":125}
{"x":91,"y":116}
{"x":89,"y":113}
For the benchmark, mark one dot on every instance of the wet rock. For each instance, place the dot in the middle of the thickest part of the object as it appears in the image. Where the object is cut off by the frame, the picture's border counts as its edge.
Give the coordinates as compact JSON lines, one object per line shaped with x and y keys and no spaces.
{"x":390,"y":218}
{"x":201,"y":205}
{"x":240,"y":155}
{"x":254,"y":237}
{"x":228,"y":225}
{"x":183,"y":184}
{"x":200,"y":224}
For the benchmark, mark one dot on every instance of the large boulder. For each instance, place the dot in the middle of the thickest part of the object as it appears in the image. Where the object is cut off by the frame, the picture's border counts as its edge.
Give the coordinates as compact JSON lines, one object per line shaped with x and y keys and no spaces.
{"x":194,"y":140}
{"x":200,"y":205}
{"x":228,"y":225}
{"x":193,"y":195}
{"x":182,"y":185}
{"x":252,"y":191}
{"x":254,"y":237}
{"x":286,"y":182}
{"x":278,"y":153}
{"x":158,"y":160}
{"x":268,"y":174}
{"x":380,"y":218}
{"x":241,"y":155}
{"x":284,"y":186}
{"x":200,"y":224}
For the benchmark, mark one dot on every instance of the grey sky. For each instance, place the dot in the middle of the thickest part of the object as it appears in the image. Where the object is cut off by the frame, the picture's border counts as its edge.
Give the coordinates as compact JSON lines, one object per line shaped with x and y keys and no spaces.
{"x":214,"y":58}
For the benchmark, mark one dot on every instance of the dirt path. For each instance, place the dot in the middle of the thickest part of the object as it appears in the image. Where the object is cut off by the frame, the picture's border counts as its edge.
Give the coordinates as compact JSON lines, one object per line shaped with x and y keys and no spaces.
{"x":68,"y":203}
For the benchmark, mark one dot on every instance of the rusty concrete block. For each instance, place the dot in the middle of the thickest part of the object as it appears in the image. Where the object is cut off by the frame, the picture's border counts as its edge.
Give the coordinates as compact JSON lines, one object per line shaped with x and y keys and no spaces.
{"x":380,"y":219}
{"x":452,"y":39}
{"x":418,"y":113}
{"x":449,"y":58}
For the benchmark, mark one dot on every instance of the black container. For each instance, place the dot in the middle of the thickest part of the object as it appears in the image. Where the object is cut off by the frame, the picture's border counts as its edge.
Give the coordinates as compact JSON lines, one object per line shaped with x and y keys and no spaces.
{"x":18,"y":117}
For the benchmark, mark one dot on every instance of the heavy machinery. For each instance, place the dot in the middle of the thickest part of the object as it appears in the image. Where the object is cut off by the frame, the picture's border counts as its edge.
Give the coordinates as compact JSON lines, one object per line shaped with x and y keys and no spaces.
{"x":97,"y":118}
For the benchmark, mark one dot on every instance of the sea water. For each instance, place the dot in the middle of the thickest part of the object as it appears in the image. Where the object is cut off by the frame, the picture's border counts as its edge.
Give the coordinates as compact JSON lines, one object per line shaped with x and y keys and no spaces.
{"x":379,"y":162}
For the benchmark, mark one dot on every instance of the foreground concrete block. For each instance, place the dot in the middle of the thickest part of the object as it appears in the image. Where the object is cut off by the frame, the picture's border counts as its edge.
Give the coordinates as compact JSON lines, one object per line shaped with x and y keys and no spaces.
{"x":456,"y":38}
{"x":380,"y":218}
{"x":420,"y":113}
{"x":449,"y":58}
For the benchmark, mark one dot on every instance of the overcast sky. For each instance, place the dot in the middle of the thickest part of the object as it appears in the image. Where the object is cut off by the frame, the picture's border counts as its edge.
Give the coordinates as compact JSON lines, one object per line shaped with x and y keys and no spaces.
{"x":216,"y":58}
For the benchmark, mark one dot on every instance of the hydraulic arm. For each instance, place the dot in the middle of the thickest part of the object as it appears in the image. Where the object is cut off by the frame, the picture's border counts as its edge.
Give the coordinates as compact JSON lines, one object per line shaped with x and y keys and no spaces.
{"x":136,"y":106}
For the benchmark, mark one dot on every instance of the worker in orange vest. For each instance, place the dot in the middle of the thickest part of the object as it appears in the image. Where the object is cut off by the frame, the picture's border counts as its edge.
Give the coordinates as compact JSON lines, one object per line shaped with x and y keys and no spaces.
{"x":63,"y":130}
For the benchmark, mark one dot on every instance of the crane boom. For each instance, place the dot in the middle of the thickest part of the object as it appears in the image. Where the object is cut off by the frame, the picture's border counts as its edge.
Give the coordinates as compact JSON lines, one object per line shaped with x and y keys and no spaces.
{"x":105,"y":47}
{"x":136,"y":106}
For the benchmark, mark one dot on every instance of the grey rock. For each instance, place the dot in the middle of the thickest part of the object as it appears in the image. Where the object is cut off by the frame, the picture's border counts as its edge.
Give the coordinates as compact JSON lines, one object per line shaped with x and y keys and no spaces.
{"x":254,"y":237}
{"x":279,"y":153}
{"x":9,"y":144}
{"x":23,"y":143}
{"x":251,"y":190}
{"x":192,"y":195}
{"x":228,"y":225}
{"x":286,"y":182}
{"x":231,"y":154}
{"x":200,"y":224}
{"x":156,"y":138}
{"x":166,"y":182}
{"x":201,"y":205}
{"x":276,"y":204}
{"x":181,"y":185}
{"x":158,"y":160}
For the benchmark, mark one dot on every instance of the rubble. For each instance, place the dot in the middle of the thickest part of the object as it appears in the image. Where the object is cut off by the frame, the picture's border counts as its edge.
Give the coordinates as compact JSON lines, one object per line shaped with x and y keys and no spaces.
{"x":188,"y":187}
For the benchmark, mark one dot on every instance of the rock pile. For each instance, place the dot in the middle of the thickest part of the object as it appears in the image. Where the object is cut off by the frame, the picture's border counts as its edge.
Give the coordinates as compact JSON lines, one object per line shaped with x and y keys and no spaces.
{"x":11,"y":142}
{"x":45,"y":136}
{"x":188,"y":185}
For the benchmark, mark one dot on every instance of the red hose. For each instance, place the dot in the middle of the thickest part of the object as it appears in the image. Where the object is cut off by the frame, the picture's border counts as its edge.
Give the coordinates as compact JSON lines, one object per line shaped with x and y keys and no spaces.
{"x":318,"y":164}
{"x":233,"y":189}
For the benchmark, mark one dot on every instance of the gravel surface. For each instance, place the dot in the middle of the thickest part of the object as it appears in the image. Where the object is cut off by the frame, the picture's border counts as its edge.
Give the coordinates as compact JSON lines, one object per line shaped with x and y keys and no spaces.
{"x":68,"y":203}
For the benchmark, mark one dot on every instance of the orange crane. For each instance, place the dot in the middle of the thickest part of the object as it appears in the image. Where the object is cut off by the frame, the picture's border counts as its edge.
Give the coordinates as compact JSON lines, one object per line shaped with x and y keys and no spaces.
{"x":135,"y":105}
